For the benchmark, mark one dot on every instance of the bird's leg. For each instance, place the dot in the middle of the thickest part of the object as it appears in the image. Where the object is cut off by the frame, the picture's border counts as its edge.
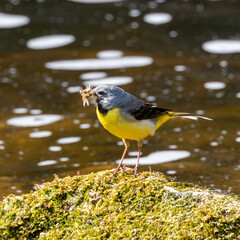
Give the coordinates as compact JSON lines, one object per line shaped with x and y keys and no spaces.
{"x":139,"y":152}
{"x":127,"y":144}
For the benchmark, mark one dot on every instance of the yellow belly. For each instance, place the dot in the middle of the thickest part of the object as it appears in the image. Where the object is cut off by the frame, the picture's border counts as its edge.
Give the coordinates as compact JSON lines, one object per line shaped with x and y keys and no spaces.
{"x":127,"y":127}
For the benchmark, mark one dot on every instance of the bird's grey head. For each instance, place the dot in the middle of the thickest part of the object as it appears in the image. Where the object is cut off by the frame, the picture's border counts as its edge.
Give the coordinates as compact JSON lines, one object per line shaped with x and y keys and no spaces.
{"x":109,"y":96}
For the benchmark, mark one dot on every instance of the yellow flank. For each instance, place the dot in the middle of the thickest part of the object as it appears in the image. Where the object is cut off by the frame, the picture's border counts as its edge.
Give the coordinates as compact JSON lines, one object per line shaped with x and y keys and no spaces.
{"x":125,"y":126}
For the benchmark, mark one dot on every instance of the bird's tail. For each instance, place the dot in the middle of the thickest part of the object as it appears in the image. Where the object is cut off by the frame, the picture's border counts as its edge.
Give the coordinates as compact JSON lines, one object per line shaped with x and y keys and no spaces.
{"x":187,"y":115}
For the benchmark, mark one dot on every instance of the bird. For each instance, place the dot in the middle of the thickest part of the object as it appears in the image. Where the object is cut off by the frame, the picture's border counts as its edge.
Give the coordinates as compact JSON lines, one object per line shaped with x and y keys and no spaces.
{"x":128,"y":117}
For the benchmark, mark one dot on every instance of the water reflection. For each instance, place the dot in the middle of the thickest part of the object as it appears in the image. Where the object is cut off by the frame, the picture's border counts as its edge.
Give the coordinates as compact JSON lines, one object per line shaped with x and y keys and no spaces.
{"x":68,"y":140}
{"x":46,"y":163}
{"x":158,"y":157}
{"x":93,"y":75}
{"x":109,"y":80}
{"x":34,"y":121}
{"x":97,"y":64}
{"x":157,"y":18}
{"x":214,"y":85}
{"x":48,"y":42}
{"x":40,"y":134}
{"x":222,"y":46}
{"x":12,"y":20}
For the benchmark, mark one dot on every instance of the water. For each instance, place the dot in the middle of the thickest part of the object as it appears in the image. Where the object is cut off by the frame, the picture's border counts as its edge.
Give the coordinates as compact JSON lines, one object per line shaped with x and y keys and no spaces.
{"x":182,"y":58}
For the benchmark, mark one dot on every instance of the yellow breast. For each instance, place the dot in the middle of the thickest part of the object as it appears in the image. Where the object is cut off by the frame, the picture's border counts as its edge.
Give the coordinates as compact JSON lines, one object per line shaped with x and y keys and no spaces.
{"x":126,"y":126}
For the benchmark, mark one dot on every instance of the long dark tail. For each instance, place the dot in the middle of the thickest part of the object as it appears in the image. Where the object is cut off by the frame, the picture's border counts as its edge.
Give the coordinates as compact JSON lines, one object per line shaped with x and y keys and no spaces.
{"x":187,"y":115}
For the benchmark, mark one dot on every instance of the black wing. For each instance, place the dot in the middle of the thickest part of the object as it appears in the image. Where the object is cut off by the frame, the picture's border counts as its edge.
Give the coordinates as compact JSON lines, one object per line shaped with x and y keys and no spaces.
{"x":148,"y":111}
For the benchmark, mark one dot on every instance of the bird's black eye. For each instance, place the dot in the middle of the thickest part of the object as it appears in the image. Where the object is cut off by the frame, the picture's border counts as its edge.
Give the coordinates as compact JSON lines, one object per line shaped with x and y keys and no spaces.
{"x":101,"y":93}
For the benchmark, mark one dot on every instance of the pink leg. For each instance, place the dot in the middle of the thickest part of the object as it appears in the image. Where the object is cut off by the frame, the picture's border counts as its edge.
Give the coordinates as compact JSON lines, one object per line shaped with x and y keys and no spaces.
{"x":139,"y":152}
{"x":127,"y":144}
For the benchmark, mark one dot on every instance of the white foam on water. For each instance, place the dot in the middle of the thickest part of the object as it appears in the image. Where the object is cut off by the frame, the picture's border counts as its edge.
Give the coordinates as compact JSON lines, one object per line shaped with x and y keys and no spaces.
{"x":222,"y":46}
{"x":46,"y":163}
{"x":95,"y":1}
{"x":157,"y":18}
{"x":34,"y":121}
{"x":40,"y":134}
{"x":109,"y":80}
{"x":214,"y":85}
{"x":158,"y":157}
{"x":51,"y":41}
{"x":110,"y":54}
{"x":237,"y":139}
{"x":238,"y":95}
{"x":93,"y":75}
{"x":97,"y":64}
{"x":68,"y":140}
{"x":12,"y":20}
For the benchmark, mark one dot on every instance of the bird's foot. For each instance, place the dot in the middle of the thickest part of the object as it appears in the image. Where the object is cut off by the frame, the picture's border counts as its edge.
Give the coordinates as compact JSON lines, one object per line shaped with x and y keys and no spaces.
{"x":135,"y":170}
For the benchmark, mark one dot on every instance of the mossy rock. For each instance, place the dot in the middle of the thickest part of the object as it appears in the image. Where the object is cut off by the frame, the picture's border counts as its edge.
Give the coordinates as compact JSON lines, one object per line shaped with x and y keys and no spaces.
{"x":100,"y":206}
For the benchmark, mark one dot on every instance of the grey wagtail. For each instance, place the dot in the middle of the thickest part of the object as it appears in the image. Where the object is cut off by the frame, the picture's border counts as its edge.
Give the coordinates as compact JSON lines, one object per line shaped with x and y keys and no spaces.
{"x":128,"y":117}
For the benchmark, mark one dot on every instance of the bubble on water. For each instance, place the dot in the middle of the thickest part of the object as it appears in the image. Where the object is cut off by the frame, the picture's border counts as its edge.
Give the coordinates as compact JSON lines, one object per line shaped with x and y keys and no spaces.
{"x":52,"y":41}
{"x":157,"y":18}
{"x":1,"y":142}
{"x":222,"y":46}
{"x":158,"y":157}
{"x":20,"y":110}
{"x":223,"y":63}
{"x":46,"y":163}
{"x":55,"y":148}
{"x":74,"y":89}
{"x":238,"y":95}
{"x":134,"y":153}
{"x":134,"y":13}
{"x":35,"y":111}
{"x":171,"y":172}
{"x":151,"y":98}
{"x":177,"y":129}
{"x":93,"y":75}
{"x":40,"y":134}
{"x":172,"y":146}
{"x":34,"y":121}
{"x":64,"y":159}
{"x":97,"y":64}
{"x":2,"y":147}
{"x":68,"y":140}
{"x":237,"y":139}
{"x":84,"y":126}
{"x":12,"y":20}
{"x":110,"y":54}
{"x":214,"y":85}
{"x":180,"y":68}
{"x":75,"y":165}
{"x":214,"y":144}
{"x":121,"y":80}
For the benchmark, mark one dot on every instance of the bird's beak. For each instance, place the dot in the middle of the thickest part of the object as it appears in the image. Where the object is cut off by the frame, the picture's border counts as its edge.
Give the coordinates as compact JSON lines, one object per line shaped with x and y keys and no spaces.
{"x":87,"y":94}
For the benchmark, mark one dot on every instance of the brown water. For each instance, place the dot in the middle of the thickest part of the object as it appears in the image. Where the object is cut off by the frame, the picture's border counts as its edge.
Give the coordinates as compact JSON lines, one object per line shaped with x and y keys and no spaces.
{"x":164,"y":64}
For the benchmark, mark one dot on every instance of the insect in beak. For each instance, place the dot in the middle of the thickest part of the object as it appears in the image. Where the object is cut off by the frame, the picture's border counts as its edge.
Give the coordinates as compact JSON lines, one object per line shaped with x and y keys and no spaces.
{"x":86,"y":94}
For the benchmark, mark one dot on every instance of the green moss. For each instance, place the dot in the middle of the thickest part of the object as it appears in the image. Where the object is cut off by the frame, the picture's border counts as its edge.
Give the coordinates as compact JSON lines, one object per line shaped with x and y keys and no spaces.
{"x":99,"y":206}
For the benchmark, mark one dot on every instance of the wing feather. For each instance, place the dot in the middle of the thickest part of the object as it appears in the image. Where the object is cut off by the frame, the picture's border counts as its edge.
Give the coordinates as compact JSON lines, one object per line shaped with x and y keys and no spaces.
{"x":148,"y":111}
